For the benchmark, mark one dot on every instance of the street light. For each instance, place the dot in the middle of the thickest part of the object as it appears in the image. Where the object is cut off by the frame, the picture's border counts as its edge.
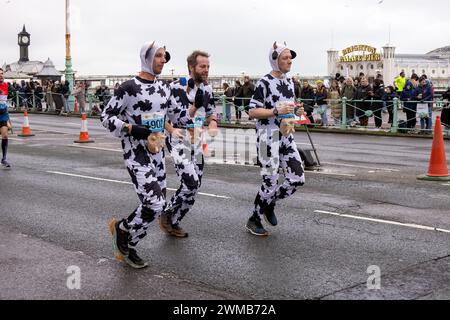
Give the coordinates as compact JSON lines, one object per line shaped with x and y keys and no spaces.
{"x":69,"y":71}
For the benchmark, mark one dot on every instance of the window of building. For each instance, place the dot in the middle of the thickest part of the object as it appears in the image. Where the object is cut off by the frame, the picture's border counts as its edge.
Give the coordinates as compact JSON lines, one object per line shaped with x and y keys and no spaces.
{"x":351,"y":67}
{"x":423,"y":72}
{"x":433,"y":71}
{"x":371,"y":66}
{"x":361,"y":67}
{"x":413,"y":71}
{"x":342,"y":67}
{"x":443,"y":71}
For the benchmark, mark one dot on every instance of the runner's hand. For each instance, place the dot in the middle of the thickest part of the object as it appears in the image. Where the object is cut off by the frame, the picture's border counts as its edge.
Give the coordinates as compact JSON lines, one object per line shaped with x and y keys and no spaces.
{"x":155,"y":142}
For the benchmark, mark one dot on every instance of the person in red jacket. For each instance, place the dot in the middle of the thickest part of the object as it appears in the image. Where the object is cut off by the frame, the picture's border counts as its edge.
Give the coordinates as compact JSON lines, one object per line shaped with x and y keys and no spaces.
{"x":4,"y":118}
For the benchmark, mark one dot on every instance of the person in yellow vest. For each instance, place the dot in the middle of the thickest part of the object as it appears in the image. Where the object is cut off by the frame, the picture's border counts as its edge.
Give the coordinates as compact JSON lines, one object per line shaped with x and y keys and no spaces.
{"x":400,"y":82}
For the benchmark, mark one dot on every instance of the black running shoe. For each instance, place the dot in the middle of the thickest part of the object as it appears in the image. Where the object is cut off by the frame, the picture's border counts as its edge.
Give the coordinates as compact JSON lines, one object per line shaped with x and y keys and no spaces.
{"x":6,"y":164}
{"x":120,"y":240}
{"x":269,"y":215}
{"x":134,"y":260}
{"x":255,"y":227}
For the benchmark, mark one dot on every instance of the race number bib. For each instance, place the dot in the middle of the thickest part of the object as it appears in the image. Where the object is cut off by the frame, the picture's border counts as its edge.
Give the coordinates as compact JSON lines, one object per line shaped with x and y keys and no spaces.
{"x":3,"y":106}
{"x":153,"y":121}
{"x":199,"y":120}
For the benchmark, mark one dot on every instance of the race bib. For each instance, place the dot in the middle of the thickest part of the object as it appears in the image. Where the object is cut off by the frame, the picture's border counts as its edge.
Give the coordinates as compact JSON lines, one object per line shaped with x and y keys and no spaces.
{"x":198,"y":121}
{"x":153,"y":121}
{"x":3,"y":106}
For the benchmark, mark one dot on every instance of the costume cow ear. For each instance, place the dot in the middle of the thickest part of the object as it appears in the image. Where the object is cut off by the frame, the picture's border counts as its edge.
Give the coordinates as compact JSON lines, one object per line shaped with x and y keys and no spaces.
{"x":274,"y":55}
{"x":293,"y":54}
{"x":167,"y":56}
{"x":191,"y":83}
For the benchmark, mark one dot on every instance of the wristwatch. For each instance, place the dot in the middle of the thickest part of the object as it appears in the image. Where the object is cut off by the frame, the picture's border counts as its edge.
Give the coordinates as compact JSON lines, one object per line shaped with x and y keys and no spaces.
{"x":275,"y":112}
{"x":125,"y":128}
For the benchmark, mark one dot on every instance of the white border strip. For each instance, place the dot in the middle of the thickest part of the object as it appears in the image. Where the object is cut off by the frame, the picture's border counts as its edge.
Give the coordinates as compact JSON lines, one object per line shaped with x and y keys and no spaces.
{"x":409,"y":225}
{"x":94,"y":148}
{"x":362,"y":167}
{"x":125,"y":182}
{"x":332,"y":174}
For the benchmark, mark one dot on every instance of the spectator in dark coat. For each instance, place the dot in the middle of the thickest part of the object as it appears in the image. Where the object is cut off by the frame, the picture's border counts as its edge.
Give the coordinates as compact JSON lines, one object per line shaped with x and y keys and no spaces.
{"x":390,"y":95}
{"x":377,"y":103}
{"x":445,"y":115}
{"x":409,"y":98}
{"x":238,"y":100}
{"x":246,"y":92}
{"x":363,"y":96}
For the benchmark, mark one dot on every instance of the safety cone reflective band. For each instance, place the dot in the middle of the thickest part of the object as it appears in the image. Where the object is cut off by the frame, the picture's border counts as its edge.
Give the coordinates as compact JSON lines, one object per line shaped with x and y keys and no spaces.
{"x":84,"y":134}
{"x":26,"y":131}
{"x":438,"y":170}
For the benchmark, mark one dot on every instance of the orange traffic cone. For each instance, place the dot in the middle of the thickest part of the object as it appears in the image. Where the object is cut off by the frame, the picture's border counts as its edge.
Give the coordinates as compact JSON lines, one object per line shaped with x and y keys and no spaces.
{"x":26,"y":131}
{"x":438,"y":169}
{"x":84,"y":134}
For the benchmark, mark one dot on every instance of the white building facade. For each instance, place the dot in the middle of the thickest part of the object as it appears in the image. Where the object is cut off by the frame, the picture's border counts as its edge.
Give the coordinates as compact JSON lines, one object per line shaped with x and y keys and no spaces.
{"x":362,"y":58}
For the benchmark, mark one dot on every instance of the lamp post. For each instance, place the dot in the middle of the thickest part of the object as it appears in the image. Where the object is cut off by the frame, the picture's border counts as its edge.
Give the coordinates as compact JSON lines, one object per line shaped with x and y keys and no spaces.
{"x":69,"y":72}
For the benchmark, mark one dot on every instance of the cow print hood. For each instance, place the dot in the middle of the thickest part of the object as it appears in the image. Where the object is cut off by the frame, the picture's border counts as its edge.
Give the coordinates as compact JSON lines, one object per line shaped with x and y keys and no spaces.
{"x":147,"y":55}
{"x":275,"y":52}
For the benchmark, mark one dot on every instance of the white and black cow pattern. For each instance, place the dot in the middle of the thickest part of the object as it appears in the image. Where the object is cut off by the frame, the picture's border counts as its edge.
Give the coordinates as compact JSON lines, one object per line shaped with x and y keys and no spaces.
{"x":273,"y":148}
{"x":188,"y":158}
{"x":133,"y":100}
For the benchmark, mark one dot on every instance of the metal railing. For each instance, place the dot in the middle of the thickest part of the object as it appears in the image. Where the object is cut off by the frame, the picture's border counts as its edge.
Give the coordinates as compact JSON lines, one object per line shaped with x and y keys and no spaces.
{"x":354,"y":114}
{"x":360,"y":111}
{"x":56,"y":103}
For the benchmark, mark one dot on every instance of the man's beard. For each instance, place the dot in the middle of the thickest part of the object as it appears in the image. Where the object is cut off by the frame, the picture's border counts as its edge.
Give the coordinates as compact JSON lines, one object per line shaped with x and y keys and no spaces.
{"x":198,"y":78}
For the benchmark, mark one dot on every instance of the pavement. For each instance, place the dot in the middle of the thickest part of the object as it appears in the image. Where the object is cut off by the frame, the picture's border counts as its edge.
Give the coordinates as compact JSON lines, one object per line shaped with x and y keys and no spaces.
{"x":363,"y":211}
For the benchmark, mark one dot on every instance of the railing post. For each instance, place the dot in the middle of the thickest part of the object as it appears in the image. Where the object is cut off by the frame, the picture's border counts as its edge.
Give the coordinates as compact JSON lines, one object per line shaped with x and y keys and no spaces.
{"x":34,"y":100}
{"x":17,"y":100}
{"x":90,"y":102}
{"x":394,"y":127}
{"x":438,"y":104}
{"x":224,"y":108}
{"x":344,"y":114}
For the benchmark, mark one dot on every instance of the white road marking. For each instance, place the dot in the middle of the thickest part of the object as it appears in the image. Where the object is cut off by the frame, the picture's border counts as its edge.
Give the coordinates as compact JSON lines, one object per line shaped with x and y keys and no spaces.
{"x":332,"y":173}
{"x":362,"y":167}
{"x":124,"y":182}
{"x":409,"y":225}
{"x":95,"y":148}
{"x":446,"y":184}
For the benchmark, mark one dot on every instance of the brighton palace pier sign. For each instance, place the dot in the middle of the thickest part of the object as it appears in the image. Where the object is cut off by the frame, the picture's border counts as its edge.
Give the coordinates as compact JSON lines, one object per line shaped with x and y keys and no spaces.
{"x":368,"y":54}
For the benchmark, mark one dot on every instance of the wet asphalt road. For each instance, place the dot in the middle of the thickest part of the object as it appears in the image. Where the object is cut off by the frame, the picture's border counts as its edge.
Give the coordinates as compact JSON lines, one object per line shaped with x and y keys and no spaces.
{"x":51,"y":219}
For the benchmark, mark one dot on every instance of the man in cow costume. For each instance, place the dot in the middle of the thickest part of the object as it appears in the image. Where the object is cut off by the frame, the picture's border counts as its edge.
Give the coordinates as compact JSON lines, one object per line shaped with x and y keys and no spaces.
{"x":137,"y":115}
{"x":274,"y":107}
{"x":196,"y":108}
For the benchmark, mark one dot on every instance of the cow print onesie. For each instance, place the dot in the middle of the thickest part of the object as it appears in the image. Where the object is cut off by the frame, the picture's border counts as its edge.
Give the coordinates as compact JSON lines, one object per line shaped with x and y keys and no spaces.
{"x":273,"y":148}
{"x":188,"y":158}
{"x":135,"y":101}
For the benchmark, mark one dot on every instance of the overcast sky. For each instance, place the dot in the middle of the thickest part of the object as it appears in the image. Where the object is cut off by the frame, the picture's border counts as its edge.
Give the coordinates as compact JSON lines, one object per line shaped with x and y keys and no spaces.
{"x":107,"y":35}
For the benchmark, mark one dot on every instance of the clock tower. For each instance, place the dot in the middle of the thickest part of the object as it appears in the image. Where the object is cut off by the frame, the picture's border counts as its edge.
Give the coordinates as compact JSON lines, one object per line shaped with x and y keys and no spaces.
{"x":24,"y":42}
